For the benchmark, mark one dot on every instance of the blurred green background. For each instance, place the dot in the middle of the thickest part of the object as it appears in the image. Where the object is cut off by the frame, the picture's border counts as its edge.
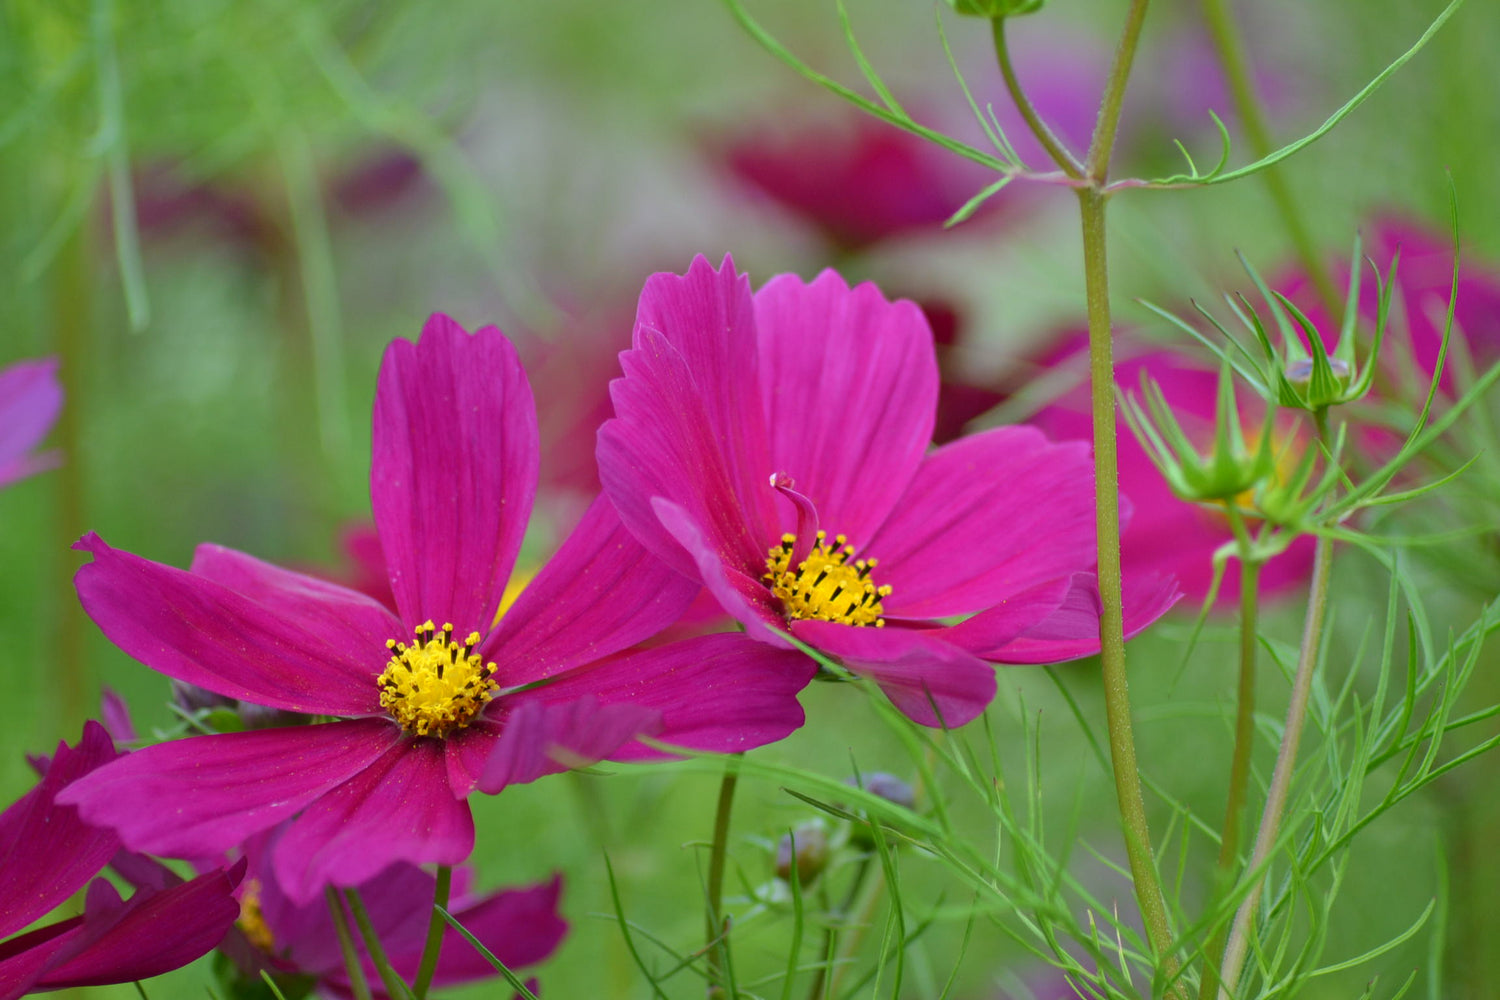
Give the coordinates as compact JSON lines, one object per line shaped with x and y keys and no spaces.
{"x":310,"y":180}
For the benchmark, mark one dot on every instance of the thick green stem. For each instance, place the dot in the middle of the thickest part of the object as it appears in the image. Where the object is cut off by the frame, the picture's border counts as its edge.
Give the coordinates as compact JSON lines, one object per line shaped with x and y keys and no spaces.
{"x":1065,"y":160}
{"x":352,"y":965}
{"x":1244,"y":737}
{"x":435,"y":930}
{"x":717,"y":932}
{"x":1111,"y":620}
{"x":1286,"y":757}
{"x":395,"y":988}
{"x":1252,"y":115}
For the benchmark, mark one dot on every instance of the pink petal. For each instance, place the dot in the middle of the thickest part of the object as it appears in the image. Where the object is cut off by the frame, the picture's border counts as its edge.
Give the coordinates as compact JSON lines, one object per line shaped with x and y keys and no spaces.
{"x":722,"y":693}
{"x":1073,"y":630}
{"x":23,"y":959}
{"x":932,"y":682}
{"x":541,"y":738}
{"x":198,"y":797}
{"x":47,"y":852}
{"x":453,"y":471}
{"x":986,"y":517}
{"x":689,"y":426}
{"x":850,"y":383}
{"x":601,"y":593}
{"x":345,"y":618}
{"x":1012,"y":617}
{"x":398,"y":808}
{"x":743,"y":598}
{"x":153,"y":933}
{"x":30,"y":400}
{"x":191,"y":628}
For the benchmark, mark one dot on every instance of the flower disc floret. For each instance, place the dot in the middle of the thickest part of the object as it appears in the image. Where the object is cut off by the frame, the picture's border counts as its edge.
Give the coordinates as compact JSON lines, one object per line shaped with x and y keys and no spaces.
{"x":252,"y":919}
{"x":825,"y":586}
{"x":435,"y":686}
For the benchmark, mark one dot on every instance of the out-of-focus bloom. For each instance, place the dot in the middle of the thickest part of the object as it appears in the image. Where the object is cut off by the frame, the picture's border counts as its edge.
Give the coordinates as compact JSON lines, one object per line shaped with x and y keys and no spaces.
{"x":1166,"y":535}
{"x":520,"y":926}
{"x":1419,"y":306}
{"x":861,"y":182}
{"x":774,"y":448}
{"x":30,"y":399}
{"x":440,"y":698}
{"x":47,"y":853}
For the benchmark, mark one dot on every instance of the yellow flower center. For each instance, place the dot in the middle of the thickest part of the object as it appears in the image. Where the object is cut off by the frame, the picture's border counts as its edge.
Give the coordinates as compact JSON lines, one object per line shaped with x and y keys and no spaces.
{"x":252,"y":922}
{"x":435,"y":686}
{"x":826,"y":585}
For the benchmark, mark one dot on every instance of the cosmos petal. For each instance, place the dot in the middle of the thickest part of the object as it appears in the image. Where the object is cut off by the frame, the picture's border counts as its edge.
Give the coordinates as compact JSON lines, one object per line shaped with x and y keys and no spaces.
{"x":932,"y":682}
{"x":1073,"y":630}
{"x":544,"y":737}
{"x":453,"y":472}
{"x":986,"y":516}
{"x":850,"y":383}
{"x":601,"y":593}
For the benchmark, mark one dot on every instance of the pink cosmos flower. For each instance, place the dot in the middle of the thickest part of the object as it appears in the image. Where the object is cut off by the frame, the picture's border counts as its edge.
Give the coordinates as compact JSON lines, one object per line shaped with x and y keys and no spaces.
{"x":439,"y":698}
{"x":30,"y":399}
{"x":520,"y":926}
{"x":47,"y":854}
{"x":774,"y":447}
{"x":1166,"y":536}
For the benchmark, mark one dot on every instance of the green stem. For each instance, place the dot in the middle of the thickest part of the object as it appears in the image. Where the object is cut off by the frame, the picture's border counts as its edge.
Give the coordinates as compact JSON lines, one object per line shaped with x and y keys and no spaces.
{"x":352,"y":965}
{"x":1127,"y":776}
{"x":1244,"y":736}
{"x":1247,"y":105}
{"x":717,"y":930}
{"x":1102,"y":145}
{"x":435,"y":929}
{"x":1065,"y":160}
{"x":859,"y":926}
{"x":824,"y":974}
{"x":394,"y":986}
{"x":72,"y":322}
{"x":1286,"y":757}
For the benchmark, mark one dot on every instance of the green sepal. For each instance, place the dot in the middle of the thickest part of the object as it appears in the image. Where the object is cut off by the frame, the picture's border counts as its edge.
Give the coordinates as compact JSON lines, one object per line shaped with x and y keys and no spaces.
{"x":995,"y":8}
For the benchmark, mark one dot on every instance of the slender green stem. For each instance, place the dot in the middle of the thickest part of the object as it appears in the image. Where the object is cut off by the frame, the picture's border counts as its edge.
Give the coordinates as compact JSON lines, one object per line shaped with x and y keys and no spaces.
{"x":824,"y":973}
{"x":352,"y":965}
{"x":1102,"y":145}
{"x":1065,"y":160}
{"x":434,"y":946}
{"x":394,"y":986}
{"x":1247,"y":105}
{"x":72,"y":322}
{"x":859,"y":925}
{"x":1244,"y":736}
{"x":717,"y":929}
{"x":1286,"y":757}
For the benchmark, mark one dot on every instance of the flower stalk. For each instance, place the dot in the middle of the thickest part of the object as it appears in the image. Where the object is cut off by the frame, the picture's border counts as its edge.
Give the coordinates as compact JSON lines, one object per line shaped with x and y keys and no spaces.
{"x":435,"y":929}
{"x":352,"y":965}
{"x":1286,"y":757}
{"x":1244,"y":734}
{"x":717,"y":939}
{"x":395,"y":988}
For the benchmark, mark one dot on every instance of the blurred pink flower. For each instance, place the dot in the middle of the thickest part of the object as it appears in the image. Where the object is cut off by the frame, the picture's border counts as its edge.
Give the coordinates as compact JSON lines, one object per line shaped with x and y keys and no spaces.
{"x":1165,"y":535}
{"x":30,"y":400}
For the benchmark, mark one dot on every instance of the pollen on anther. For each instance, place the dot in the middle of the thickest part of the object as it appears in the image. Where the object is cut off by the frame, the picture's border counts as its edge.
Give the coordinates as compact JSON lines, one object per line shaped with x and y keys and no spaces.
{"x":828,"y":585}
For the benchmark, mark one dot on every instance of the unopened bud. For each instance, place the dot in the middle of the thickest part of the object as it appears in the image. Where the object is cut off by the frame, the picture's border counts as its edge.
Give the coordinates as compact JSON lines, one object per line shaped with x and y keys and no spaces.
{"x":996,"y":8}
{"x":811,"y":844}
{"x":886,"y":786}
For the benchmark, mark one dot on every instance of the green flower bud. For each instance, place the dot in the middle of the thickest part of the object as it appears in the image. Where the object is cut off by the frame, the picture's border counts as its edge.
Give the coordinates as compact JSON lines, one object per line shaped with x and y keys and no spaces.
{"x":996,"y":8}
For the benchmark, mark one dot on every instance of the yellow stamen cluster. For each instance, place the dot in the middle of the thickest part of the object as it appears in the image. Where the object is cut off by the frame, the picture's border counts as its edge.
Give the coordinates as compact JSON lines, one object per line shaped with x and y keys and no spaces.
{"x":826,"y":585}
{"x":435,"y":686}
{"x":252,"y":921}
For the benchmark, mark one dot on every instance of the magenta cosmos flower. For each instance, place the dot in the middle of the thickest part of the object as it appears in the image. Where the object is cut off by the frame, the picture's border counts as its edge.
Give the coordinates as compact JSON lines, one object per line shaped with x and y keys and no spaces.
{"x":47,"y":854}
{"x":774,"y":447}
{"x":30,"y":399}
{"x":437,"y":699}
{"x":520,"y":926}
